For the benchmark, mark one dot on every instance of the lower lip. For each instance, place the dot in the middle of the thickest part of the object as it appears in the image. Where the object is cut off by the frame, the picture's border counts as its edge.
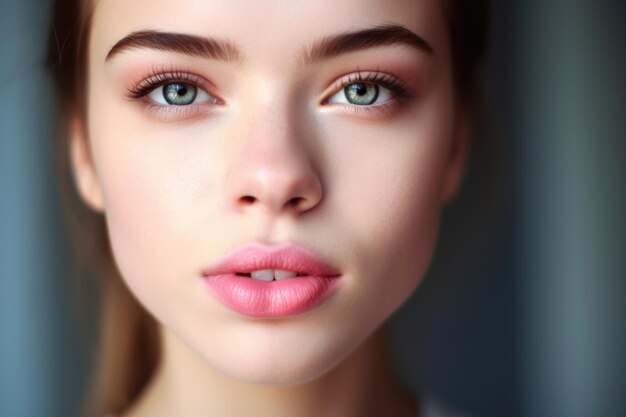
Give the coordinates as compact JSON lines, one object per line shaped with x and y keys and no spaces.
{"x":287,"y":297}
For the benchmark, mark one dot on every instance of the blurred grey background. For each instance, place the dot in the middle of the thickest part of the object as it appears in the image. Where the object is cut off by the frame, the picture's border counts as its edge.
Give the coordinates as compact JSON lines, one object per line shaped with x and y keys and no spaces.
{"x":522,"y":313}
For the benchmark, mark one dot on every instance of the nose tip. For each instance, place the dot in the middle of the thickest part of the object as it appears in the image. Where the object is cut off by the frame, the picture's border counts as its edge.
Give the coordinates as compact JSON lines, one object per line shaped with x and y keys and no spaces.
{"x":276,"y":182}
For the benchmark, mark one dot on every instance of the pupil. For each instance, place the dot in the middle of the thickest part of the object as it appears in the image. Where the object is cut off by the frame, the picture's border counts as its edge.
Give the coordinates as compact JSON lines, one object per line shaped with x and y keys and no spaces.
{"x":181,"y":90}
{"x":361,"y":89}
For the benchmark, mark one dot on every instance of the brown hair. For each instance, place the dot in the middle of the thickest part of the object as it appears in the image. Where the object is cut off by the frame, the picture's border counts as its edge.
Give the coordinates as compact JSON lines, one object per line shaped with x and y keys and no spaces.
{"x":127,"y":344}
{"x":126,"y":339}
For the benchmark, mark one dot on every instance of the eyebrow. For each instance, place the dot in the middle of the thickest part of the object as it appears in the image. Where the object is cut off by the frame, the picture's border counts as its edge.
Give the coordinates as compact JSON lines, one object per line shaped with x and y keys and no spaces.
{"x":326,"y":48}
{"x":382,"y":35}
{"x":178,"y":42}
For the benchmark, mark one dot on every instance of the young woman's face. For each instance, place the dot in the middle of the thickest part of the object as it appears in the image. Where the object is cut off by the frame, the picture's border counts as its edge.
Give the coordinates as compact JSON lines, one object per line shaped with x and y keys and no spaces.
{"x":303,"y":126}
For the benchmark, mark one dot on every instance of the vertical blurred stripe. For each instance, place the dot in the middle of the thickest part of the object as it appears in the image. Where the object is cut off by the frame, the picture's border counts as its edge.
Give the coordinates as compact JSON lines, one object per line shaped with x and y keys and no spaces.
{"x":40,"y":363}
{"x":572,"y":92}
{"x":25,"y":306}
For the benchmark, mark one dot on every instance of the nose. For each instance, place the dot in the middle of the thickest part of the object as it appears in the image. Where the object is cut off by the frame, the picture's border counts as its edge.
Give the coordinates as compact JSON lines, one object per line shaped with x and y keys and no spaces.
{"x":272,"y":170}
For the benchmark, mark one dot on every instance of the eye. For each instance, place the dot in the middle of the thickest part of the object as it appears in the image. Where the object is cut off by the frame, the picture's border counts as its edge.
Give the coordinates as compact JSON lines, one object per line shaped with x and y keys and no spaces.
{"x":362,"y":93}
{"x":180,"y":94}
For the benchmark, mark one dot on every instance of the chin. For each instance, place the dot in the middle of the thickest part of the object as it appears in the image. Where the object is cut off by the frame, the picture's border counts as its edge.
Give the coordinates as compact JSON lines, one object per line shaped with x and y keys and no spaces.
{"x":277,"y":354}
{"x":280,"y":375}
{"x":289,"y":364}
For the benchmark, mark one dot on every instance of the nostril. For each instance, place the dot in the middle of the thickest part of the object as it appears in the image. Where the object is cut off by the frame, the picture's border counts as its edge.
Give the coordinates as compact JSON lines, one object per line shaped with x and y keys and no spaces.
{"x":295,"y":201}
{"x":247,"y":199}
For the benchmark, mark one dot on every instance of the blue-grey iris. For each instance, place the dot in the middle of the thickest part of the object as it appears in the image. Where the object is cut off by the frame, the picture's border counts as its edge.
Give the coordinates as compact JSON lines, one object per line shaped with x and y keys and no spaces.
{"x":179,"y":94}
{"x":361,"y":94}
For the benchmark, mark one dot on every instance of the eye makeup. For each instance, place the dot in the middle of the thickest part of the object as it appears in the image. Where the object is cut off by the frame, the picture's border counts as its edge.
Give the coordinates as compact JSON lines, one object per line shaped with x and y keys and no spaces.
{"x":398,"y":88}
{"x":159,"y":78}
{"x":390,"y":93}
{"x":154,"y":92}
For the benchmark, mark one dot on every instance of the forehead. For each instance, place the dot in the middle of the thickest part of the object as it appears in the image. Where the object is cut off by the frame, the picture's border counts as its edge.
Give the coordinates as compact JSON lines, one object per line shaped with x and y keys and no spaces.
{"x":264,"y":30}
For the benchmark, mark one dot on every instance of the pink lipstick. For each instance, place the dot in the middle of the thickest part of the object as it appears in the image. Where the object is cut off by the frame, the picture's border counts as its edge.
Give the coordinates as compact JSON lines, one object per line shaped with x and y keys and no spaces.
{"x":268,"y":281}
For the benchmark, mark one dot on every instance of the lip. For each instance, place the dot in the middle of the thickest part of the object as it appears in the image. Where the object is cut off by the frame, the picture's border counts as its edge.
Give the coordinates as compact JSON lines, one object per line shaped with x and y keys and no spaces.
{"x":316,"y":281}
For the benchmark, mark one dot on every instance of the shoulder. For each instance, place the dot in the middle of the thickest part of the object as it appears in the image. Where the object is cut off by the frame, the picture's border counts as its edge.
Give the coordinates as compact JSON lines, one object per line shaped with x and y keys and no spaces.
{"x":430,"y":406}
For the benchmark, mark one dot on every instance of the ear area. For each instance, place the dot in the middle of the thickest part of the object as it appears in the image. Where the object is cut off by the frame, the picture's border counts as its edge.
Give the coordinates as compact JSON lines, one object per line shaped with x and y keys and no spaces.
{"x":83,"y":168}
{"x":458,"y":155}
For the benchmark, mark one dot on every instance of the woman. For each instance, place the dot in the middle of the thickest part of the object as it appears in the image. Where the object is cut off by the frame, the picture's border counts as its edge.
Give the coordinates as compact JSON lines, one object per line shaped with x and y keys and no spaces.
{"x":269,"y":178}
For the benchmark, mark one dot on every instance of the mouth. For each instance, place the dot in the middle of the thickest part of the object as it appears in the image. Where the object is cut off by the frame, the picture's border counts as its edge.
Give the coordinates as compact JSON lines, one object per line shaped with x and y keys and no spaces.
{"x":263,"y":281}
{"x":271,"y":274}
{"x":268,"y":263}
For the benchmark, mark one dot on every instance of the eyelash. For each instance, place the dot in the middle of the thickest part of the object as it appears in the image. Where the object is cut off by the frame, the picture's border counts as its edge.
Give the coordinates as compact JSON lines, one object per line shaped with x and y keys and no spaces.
{"x":398,"y":87}
{"x":160,"y":78}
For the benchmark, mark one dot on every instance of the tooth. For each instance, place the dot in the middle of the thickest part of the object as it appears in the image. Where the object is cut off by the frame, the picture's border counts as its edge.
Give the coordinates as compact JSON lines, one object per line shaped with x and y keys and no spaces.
{"x":282,"y":274}
{"x":263,"y":275}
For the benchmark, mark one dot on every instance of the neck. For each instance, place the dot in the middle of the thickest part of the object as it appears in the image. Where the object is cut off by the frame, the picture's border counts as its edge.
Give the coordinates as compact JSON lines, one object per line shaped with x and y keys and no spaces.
{"x":362,"y":385}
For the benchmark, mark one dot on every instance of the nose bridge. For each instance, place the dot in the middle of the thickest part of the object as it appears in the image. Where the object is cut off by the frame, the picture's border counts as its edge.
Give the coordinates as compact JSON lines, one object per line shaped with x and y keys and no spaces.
{"x":272,"y":170}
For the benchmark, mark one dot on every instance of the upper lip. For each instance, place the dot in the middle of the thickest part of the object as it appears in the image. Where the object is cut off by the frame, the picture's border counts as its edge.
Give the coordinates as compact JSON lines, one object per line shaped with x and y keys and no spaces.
{"x":255,"y":257}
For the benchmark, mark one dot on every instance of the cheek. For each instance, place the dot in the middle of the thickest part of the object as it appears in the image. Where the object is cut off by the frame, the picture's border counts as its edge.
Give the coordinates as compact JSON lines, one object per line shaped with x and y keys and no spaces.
{"x":389,"y":205}
{"x":405,"y":230}
{"x":396,"y":229}
{"x":154,"y":190}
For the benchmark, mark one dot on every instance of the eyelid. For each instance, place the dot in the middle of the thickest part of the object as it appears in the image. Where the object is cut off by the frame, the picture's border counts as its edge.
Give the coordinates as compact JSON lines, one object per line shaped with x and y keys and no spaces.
{"x":397,"y":86}
{"x":139,"y":93}
{"x":158,"y":78}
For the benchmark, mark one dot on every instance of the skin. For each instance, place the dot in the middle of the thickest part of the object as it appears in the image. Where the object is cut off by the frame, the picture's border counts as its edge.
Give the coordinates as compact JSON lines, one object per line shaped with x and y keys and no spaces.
{"x":370,"y":184}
